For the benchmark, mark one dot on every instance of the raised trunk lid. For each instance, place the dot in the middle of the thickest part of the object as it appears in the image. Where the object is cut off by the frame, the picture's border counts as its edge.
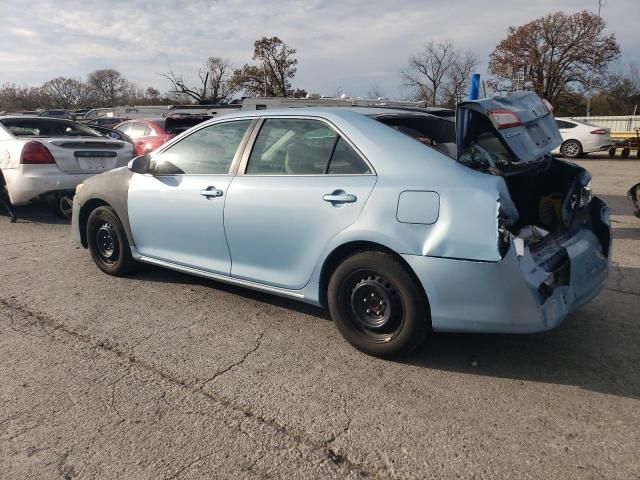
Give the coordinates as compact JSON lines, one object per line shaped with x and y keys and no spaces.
{"x":505,"y":133}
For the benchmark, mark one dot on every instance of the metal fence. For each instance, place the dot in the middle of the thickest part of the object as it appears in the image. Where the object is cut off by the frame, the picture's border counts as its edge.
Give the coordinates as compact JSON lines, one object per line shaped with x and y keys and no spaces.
{"x":621,"y":123}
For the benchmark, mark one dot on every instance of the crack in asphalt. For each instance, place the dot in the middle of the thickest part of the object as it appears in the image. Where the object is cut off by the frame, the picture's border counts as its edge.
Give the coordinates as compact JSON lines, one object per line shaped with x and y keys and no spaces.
{"x":113,"y":385}
{"x":50,"y":326}
{"x":36,"y":243}
{"x":625,"y":292}
{"x":188,"y":466}
{"x":235,"y":364}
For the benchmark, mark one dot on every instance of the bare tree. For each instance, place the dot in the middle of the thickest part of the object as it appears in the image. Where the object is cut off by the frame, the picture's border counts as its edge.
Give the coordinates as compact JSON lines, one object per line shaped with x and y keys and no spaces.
{"x":152,"y":93}
{"x":623,"y":91}
{"x":108,"y":86}
{"x":197,"y":92}
{"x":558,"y":53}
{"x":212,"y":86}
{"x":15,"y":97}
{"x":220,"y":70}
{"x":273,"y":75}
{"x":427,"y":70}
{"x":67,"y":92}
{"x":375,"y":91}
{"x":458,"y":76}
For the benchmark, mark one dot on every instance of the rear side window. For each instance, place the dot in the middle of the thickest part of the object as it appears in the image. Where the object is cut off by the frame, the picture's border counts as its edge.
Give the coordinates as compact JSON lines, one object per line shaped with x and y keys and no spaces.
{"x":563,"y":124}
{"x":125,"y":127}
{"x":345,"y":161}
{"x":290,"y":146}
{"x":208,"y":151}
{"x":138,"y":130}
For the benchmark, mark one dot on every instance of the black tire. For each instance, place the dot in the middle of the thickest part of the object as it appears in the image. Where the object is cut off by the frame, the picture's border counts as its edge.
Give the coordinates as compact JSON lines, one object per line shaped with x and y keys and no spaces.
{"x":393,"y":318}
{"x":108,"y":242}
{"x":638,"y":152}
{"x":571,"y":149}
{"x":612,"y":153}
{"x":625,"y":153}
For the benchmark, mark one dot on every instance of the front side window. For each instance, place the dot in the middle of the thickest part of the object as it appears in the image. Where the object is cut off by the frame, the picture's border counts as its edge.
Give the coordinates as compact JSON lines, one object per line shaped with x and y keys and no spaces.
{"x":208,"y":151}
{"x":289,"y":146}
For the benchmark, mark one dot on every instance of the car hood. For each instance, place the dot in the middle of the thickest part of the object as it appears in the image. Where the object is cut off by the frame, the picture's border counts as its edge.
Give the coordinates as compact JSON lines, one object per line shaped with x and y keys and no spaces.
{"x":531,"y":140}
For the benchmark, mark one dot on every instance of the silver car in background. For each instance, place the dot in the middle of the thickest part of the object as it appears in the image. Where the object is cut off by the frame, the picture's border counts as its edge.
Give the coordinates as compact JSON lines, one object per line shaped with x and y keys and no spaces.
{"x":47,"y":157}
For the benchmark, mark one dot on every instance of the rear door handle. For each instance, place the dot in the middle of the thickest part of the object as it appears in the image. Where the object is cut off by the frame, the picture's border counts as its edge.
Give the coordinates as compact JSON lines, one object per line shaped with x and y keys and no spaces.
{"x":210,"y":192}
{"x":340,"y":196}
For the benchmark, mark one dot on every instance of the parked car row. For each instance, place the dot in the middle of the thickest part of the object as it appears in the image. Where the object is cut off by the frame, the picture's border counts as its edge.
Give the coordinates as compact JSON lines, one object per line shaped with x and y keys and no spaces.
{"x":47,"y":157}
{"x":398,"y":221}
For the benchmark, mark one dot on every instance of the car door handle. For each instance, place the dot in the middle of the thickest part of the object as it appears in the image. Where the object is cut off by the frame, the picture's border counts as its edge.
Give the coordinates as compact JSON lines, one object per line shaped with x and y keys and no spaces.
{"x":210,"y":192}
{"x":340,"y":196}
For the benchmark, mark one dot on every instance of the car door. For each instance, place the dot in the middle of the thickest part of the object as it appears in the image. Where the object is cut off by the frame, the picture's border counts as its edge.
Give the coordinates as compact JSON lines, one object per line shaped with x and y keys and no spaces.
{"x":301,"y":184}
{"x":176,"y":212}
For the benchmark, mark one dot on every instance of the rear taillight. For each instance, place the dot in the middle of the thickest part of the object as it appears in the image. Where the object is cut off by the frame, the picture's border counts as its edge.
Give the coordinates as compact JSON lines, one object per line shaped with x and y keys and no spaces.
{"x":600,"y":131}
{"x":504,"y":118}
{"x":35,"y":153}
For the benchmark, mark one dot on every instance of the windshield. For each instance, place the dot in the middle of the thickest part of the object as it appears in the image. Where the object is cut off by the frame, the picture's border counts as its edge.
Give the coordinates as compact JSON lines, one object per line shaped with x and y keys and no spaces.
{"x":43,"y":127}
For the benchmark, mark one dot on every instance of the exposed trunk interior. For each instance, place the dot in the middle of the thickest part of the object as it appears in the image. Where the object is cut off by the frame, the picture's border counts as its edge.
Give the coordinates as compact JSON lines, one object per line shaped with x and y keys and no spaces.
{"x":553,"y":203}
{"x":546,"y":197}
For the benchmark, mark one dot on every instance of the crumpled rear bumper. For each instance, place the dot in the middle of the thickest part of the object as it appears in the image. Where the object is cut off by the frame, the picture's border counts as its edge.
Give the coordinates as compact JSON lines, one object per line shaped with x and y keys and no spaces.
{"x":502,"y":297}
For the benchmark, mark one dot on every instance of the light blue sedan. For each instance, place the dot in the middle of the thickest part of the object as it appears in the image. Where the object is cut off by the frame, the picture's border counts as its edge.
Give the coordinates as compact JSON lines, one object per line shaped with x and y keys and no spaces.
{"x":398,"y":221}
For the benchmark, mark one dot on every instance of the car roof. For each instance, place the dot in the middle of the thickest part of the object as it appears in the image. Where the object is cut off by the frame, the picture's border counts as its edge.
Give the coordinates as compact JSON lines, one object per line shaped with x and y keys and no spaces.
{"x":34,"y":117}
{"x":340,"y":111}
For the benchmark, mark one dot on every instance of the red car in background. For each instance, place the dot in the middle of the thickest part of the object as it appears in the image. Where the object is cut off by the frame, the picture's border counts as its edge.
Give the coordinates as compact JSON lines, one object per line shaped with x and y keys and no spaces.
{"x":149,"y":133}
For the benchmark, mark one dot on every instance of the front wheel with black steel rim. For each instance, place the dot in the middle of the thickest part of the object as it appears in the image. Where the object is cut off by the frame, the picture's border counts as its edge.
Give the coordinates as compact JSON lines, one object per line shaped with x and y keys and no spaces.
{"x":571,"y":149}
{"x":108,"y":242}
{"x":378,"y":305}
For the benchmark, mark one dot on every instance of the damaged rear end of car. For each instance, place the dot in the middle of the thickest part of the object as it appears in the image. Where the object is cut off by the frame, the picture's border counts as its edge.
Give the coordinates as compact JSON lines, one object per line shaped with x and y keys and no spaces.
{"x":553,"y":236}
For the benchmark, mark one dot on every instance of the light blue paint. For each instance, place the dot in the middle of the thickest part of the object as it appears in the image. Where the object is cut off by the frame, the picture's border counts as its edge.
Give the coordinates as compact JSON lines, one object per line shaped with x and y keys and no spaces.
{"x":275,"y":232}
{"x":418,"y":207}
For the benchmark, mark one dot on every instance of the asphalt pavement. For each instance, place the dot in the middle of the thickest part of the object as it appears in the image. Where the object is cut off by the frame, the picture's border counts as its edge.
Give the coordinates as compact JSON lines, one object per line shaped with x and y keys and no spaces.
{"x":162,"y":375}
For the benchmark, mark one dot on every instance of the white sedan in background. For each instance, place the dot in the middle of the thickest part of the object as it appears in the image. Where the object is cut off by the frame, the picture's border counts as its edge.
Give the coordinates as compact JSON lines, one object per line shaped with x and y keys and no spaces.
{"x":46,"y":158}
{"x":579,"y":138}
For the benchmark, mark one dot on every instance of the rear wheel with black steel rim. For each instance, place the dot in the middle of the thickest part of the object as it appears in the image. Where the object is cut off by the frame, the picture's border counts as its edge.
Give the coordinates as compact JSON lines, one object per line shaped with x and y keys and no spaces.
{"x":108,"y":242}
{"x":378,"y":305}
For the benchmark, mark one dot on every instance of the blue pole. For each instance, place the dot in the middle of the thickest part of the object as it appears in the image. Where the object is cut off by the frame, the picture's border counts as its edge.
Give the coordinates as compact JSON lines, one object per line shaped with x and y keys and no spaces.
{"x":474,"y":87}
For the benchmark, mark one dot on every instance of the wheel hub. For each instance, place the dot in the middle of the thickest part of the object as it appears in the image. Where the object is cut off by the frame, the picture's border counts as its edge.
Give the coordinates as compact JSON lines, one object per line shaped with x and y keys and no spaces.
{"x":371,"y":302}
{"x":571,"y":149}
{"x":65,"y":205}
{"x":106,"y":241}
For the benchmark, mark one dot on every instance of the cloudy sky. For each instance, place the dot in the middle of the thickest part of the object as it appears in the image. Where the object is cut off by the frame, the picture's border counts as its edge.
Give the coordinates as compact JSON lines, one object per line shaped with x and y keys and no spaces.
{"x":350,"y":44}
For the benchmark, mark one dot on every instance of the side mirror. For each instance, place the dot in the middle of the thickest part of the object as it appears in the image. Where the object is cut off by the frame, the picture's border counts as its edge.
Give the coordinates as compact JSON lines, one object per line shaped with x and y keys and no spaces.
{"x":141,"y":164}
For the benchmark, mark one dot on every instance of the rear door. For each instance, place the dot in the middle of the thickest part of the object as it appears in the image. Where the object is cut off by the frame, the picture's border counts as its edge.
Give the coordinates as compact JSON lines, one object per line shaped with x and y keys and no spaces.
{"x":301,"y":184}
